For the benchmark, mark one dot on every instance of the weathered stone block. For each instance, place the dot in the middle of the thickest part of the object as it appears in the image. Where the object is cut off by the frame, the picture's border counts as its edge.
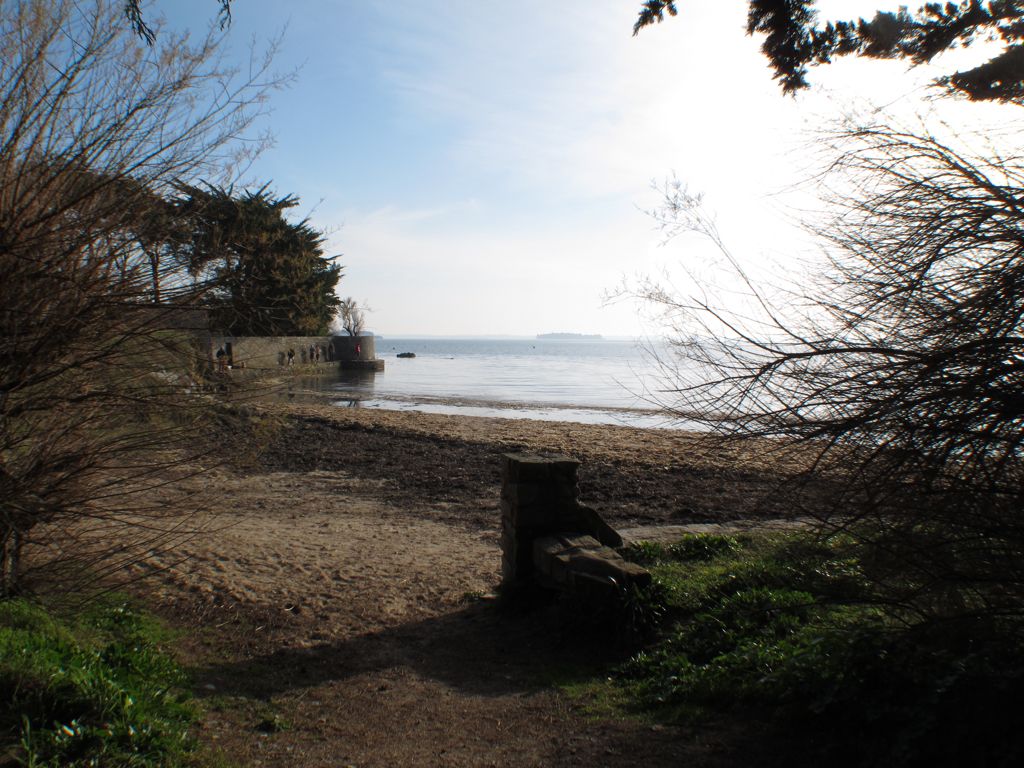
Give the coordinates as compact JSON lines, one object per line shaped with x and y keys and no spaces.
{"x":522,"y":467}
{"x":607,"y":564}
{"x":523,"y":493}
{"x":589,"y":521}
{"x":567,"y":558}
{"x":541,"y":514}
{"x":507,"y":509}
{"x":517,"y":558}
{"x":508,"y":569}
{"x":596,"y":590}
{"x":549,"y":538}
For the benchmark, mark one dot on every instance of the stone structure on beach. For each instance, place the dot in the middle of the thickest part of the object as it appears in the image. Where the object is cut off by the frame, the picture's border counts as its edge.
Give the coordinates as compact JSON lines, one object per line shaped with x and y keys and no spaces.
{"x":357,"y":353}
{"x":271,"y":352}
{"x":549,"y":539}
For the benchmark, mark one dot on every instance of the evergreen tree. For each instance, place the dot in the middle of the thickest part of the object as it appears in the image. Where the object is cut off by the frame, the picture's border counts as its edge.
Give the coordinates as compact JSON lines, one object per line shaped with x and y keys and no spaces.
{"x":794,"y":39}
{"x":270,"y":276}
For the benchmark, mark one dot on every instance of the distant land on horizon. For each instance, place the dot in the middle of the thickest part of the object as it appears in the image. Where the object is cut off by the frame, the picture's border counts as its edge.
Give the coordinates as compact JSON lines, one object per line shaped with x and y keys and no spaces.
{"x":508,"y":336}
{"x":568,"y":336}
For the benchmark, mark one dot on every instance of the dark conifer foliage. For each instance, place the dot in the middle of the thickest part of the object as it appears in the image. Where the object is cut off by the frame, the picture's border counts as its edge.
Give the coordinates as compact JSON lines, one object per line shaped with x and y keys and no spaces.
{"x":795,"y":40}
{"x":269,"y":276}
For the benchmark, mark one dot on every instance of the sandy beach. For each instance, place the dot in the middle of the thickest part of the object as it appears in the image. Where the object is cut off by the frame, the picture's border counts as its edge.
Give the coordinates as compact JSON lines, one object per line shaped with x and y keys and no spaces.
{"x":339,"y":605}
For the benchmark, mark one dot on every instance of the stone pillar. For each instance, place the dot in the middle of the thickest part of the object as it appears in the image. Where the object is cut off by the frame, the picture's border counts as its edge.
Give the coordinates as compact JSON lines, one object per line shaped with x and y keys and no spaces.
{"x":539,"y":500}
{"x":356,"y":353}
{"x":538,"y":493}
{"x":345,"y":348}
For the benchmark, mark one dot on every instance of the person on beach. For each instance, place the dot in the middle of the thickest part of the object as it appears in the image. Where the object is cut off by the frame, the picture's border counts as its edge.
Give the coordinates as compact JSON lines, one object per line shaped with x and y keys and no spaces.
{"x":359,"y":350}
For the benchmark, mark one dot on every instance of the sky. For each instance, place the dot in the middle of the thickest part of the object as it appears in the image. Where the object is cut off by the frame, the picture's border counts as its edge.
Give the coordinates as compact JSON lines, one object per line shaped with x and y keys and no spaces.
{"x":484,"y":168}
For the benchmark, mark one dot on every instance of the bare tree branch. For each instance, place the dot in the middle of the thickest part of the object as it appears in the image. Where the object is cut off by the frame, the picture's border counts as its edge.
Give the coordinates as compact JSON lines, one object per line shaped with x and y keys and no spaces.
{"x":906,"y":382}
{"x":97,"y":382}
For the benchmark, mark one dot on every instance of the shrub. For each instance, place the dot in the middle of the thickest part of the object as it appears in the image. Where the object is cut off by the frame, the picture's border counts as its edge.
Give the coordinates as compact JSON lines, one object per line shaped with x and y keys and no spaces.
{"x":785,"y":631}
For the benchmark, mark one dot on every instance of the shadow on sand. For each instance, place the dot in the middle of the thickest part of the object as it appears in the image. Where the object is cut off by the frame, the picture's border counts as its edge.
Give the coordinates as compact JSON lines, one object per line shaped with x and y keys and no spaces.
{"x":483,"y":648}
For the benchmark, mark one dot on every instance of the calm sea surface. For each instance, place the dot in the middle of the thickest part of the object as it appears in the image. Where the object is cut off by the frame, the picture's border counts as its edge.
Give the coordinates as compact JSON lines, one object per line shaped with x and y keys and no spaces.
{"x":589,"y":381}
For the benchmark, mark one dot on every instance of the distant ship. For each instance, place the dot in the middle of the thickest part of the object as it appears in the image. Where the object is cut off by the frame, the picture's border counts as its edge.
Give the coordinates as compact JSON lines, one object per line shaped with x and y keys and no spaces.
{"x":571,"y":336}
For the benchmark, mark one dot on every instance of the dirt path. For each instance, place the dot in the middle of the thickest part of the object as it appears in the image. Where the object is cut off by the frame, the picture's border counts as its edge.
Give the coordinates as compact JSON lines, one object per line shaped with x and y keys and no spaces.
{"x":341,"y":615}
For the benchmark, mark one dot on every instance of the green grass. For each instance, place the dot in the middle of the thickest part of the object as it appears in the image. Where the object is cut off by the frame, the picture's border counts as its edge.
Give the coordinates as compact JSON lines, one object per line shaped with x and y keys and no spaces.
{"x":742,"y":610}
{"x":786,"y":634}
{"x":95,"y":689}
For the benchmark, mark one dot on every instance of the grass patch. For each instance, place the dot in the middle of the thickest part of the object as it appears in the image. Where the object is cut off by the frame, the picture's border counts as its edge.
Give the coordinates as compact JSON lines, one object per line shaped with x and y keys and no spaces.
{"x":95,"y":689}
{"x":784,"y":632}
{"x":693,"y":547}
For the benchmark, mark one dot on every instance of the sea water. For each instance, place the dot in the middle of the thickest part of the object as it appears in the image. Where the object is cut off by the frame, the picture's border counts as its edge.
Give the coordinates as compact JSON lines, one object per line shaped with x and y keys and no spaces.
{"x":598,"y":381}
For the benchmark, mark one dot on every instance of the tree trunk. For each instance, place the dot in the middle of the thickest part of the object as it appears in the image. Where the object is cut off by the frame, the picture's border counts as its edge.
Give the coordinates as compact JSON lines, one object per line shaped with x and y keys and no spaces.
{"x":10,"y":561}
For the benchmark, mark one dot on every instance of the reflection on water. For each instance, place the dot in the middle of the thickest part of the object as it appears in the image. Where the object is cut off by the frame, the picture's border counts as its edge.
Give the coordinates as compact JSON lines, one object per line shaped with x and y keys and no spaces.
{"x":304,"y":387}
{"x":361,"y":380}
{"x":332,"y":380}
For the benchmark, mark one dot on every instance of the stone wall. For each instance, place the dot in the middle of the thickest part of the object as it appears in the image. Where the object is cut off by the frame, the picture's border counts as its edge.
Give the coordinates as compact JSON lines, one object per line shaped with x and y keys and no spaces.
{"x":272,"y":351}
{"x":550,"y":539}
